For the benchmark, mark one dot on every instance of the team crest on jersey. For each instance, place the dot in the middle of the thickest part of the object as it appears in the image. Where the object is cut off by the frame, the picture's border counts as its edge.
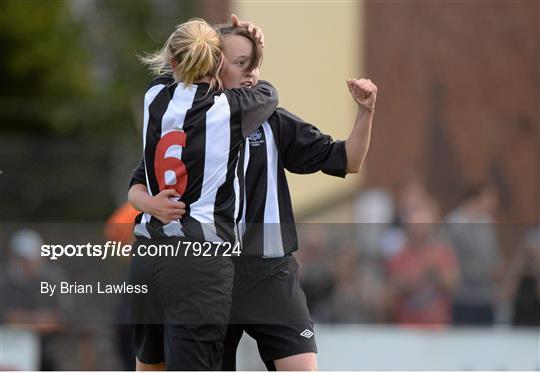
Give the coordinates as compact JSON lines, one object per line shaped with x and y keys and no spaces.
{"x":256,"y":138}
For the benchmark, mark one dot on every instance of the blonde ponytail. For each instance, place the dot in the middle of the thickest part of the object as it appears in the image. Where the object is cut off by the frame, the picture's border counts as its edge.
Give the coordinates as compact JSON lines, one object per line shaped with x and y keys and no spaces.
{"x":196,"y":49}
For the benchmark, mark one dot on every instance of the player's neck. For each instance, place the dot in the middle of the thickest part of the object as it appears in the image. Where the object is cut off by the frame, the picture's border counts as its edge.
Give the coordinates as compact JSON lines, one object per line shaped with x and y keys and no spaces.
{"x":205,"y":79}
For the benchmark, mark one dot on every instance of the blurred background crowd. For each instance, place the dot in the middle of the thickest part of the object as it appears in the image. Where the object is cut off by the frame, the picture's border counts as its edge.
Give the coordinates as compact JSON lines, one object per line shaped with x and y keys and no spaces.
{"x":439,"y":232}
{"x":407,"y":262}
{"x":404,"y":263}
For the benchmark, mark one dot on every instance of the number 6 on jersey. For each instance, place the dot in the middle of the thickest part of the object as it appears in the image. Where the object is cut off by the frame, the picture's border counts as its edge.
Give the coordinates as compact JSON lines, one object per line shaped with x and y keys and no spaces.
{"x":170,"y":171}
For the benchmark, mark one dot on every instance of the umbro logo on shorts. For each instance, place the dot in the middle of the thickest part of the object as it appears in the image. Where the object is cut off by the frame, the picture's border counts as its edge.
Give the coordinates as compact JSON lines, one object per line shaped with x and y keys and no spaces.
{"x":307,"y":334}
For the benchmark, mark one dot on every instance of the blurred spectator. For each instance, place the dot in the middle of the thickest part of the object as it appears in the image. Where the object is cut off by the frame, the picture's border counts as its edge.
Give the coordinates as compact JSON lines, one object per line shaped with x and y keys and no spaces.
{"x":374,"y":211}
{"x":411,"y":193}
{"x":314,"y":270}
{"x":358,"y":289}
{"x":424,"y":274}
{"x":472,"y":232}
{"x":523,"y":285}
{"x":119,"y":227}
{"x":22,"y":304}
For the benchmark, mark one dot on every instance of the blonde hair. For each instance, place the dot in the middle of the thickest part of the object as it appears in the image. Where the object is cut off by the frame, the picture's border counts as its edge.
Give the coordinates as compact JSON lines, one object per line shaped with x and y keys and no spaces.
{"x":196,"y":48}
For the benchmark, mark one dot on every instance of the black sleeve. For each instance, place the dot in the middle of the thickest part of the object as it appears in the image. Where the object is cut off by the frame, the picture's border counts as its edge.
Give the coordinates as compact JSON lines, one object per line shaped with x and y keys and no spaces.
{"x":139,"y":174}
{"x":304,"y":149}
{"x":255,"y":105}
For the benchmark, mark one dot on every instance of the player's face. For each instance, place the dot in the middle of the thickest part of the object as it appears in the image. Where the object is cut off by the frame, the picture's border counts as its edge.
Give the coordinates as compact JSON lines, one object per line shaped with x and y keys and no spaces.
{"x":237,"y":52}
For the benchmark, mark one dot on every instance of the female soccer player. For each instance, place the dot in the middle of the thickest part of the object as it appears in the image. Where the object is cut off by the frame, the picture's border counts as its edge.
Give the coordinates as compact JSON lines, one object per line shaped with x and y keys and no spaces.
{"x":192,"y":135}
{"x":266,"y":276}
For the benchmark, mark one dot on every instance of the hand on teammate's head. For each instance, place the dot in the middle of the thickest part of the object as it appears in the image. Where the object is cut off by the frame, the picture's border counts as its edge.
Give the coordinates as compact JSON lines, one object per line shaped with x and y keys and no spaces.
{"x":250,"y":26}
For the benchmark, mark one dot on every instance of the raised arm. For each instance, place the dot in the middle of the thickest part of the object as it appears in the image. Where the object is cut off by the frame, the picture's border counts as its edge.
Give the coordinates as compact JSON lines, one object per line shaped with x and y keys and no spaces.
{"x":364,"y":92}
{"x":304,"y":149}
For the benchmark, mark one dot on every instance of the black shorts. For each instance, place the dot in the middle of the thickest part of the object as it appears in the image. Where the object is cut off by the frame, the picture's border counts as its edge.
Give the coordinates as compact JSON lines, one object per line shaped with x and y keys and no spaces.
{"x":182,"y":319}
{"x":269,"y":304}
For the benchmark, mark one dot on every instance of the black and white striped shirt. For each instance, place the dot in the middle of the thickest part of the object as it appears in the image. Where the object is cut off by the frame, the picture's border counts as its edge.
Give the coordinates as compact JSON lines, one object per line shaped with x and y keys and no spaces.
{"x":283,"y":142}
{"x":191,"y":141}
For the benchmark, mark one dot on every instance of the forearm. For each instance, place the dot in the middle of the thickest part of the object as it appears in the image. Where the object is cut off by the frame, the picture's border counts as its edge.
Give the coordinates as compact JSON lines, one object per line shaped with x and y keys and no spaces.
{"x":357,"y":144}
{"x":140,"y":199}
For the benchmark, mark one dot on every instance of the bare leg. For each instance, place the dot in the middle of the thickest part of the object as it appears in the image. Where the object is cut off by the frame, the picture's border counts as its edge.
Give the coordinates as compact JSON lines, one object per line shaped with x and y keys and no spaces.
{"x":306,"y":362}
{"x":145,"y":367}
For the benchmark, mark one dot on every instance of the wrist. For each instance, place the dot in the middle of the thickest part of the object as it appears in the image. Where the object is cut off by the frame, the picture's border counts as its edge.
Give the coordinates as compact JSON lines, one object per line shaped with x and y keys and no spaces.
{"x":366,"y":110}
{"x":146,"y":203}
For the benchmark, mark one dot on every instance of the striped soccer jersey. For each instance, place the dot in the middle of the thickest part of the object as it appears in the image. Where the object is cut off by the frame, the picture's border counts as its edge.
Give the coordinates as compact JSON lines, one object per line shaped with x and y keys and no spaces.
{"x":191,"y":142}
{"x":283,"y":142}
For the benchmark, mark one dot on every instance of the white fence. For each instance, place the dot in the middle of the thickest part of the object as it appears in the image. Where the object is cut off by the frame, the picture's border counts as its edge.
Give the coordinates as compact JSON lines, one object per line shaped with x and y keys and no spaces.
{"x":19,"y":349}
{"x":358,"y":347}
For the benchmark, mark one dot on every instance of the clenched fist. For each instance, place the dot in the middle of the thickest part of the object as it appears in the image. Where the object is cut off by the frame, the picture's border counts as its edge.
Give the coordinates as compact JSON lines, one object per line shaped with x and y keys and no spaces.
{"x":364,"y":92}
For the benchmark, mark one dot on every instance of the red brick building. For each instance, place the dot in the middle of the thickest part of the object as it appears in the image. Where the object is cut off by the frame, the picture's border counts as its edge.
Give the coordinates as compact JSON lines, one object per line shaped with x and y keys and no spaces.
{"x":459,"y":81}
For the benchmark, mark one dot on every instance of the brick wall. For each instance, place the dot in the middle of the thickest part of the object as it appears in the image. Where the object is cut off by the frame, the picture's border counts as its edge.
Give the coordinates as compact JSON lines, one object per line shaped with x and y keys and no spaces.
{"x":459,"y":97}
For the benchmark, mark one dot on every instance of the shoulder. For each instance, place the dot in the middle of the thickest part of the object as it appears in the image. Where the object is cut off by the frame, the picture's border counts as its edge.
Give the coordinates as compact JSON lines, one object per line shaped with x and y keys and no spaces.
{"x":161,"y":80}
{"x":283,"y":117}
{"x":285,"y":114}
